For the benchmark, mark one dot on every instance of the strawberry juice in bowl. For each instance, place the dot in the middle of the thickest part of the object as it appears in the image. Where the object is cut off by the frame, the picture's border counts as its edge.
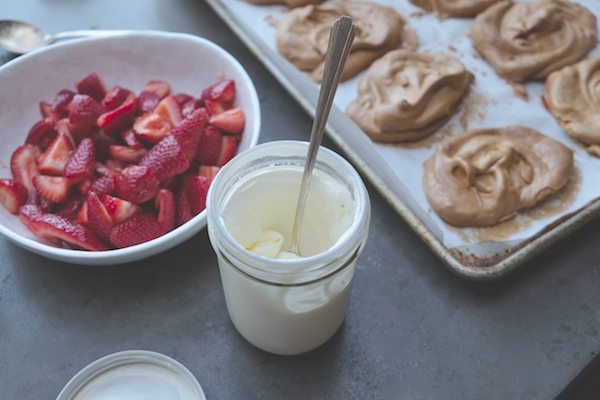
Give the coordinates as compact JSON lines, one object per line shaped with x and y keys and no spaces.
{"x":280,"y":302}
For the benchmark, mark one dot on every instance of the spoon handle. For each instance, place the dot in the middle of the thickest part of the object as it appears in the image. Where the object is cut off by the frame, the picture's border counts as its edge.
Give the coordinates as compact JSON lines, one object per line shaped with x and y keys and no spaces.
{"x":340,"y":40}
{"x":82,"y":33}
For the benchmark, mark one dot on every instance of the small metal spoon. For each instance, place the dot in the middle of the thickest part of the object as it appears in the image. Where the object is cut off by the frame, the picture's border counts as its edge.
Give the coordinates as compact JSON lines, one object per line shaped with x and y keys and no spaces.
{"x":338,"y":48}
{"x":21,"y":37}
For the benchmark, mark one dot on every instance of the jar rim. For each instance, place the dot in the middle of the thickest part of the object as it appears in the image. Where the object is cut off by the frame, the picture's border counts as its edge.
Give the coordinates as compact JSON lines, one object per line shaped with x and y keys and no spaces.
{"x":269,"y":269}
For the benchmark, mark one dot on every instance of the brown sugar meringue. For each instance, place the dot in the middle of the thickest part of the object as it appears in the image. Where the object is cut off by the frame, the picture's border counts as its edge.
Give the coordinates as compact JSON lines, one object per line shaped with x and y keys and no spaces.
{"x":530,"y":40}
{"x":302,"y":35}
{"x":485,"y":176}
{"x":572,"y":95}
{"x":454,"y":8}
{"x":406,"y":96}
{"x":289,"y":3}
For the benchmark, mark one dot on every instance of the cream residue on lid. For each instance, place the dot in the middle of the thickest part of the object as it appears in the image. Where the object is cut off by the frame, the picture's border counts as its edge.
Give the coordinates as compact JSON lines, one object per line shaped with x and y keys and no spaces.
{"x":259,"y":212}
{"x":407,"y":96}
{"x":530,"y":40}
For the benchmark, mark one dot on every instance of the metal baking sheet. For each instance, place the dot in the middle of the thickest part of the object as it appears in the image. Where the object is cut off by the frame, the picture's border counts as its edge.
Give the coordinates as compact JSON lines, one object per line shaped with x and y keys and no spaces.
{"x":472,"y":259}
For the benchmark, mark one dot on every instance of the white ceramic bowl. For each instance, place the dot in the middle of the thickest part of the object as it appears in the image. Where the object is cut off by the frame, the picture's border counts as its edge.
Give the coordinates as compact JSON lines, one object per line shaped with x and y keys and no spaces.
{"x":187,"y":62}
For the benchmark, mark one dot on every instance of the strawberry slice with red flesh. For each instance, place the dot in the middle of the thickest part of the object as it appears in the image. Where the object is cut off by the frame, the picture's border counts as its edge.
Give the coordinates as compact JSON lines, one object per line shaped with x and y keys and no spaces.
{"x":61,"y":101}
{"x":136,"y":184}
{"x":138,"y":229}
{"x":209,"y":171}
{"x":13,"y":194}
{"x":222,"y":91}
{"x":127,"y":154}
{"x":169,"y":109}
{"x":84,"y":111}
{"x":182,"y":98}
{"x":99,"y":220}
{"x":53,"y":188}
{"x":216,"y":107}
{"x":23,"y":165}
{"x":189,"y":106}
{"x":53,"y":226}
{"x":152,"y":127}
{"x":114,"y":98}
{"x":160,"y":88}
{"x":122,"y":116}
{"x":197,"y":191}
{"x":164,"y":202}
{"x":46,"y":111}
{"x":228,"y":150}
{"x":102,"y":142}
{"x":83,"y":163}
{"x":147,"y":102}
{"x":131,"y":139}
{"x":183,"y":212}
{"x":189,"y":132}
{"x":55,"y":158}
{"x":210,"y":145}
{"x":70,"y":209}
{"x":166,"y":159}
{"x":42,"y":132}
{"x":232,"y":120}
{"x":93,"y":86}
{"x":119,"y":209}
{"x":28,"y":212}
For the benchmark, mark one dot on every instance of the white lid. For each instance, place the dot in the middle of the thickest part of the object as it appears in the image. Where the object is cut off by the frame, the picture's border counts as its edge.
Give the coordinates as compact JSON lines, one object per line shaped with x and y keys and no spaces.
{"x":133,"y":375}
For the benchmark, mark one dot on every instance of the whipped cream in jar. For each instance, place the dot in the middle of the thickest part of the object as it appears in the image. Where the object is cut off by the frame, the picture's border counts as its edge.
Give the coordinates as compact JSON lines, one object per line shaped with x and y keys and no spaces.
{"x":278,"y":301}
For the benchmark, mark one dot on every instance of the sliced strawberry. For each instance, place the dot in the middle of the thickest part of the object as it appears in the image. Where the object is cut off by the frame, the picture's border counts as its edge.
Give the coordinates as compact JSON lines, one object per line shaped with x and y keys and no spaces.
{"x":23,"y":165}
{"x":61,"y":101}
{"x":56,"y":157}
{"x":13,"y":194}
{"x":182,"y":201}
{"x":216,"y":107}
{"x":136,"y":184}
{"x":102,"y":142}
{"x":110,"y":168}
{"x":165,"y":204}
{"x":161,"y":88}
{"x":223,"y":91}
{"x":40,"y":131}
{"x":166,"y":159}
{"x":197,"y":190}
{"x":210,"y":146}
{"x":102,"y":185}
{"x":70,"y":209}
{"x":131,"y":139}
{"x":82,"y":165}
{"x":189,"y":132}
{"x":53,"y":188}
{"x":122,"y":116}
{"x":152,"y":127}
{"x":53,"y":226}
{"x":114,"y":98}
{"x":189,"y":106}
{"x":232,"y":120}
{"x":182,"y":98}
{"x":29,"y":211}
{"x":127,"y":154}
{"x":147,"y":102}
{"x":93,"y":86}
{"x":46,"y":111}
{"x":140,"y":228}
{"x":209,"y":171}
{"x":84,"y":111}
{"x":119,"y":209}
{"x":99,"y":220}
{"x":169,"y":109}
{"x":228,"y":150}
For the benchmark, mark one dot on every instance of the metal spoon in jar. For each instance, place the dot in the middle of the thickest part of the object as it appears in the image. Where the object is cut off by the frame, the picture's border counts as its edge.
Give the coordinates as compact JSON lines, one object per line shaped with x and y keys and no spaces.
{"x":21,"y":37}
{"x":338,"y":48}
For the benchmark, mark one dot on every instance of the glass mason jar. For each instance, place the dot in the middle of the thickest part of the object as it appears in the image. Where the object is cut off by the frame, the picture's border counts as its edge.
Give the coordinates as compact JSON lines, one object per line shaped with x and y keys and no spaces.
{"x":291,"y":305}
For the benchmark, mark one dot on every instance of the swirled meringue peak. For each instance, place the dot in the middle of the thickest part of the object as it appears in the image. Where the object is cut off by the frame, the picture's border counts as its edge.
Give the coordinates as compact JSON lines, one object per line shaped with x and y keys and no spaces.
{"x":572,"y":95}
{"x":454,"y":8}
{"x":485,"y":176}
{"x":406,"y":96}
{"x":302,"y":35}
{"x":530,"y":40}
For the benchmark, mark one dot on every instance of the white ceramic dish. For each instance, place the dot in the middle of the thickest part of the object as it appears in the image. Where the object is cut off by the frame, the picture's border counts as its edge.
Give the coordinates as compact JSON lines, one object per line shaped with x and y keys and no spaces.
{"x":187,"y":62}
